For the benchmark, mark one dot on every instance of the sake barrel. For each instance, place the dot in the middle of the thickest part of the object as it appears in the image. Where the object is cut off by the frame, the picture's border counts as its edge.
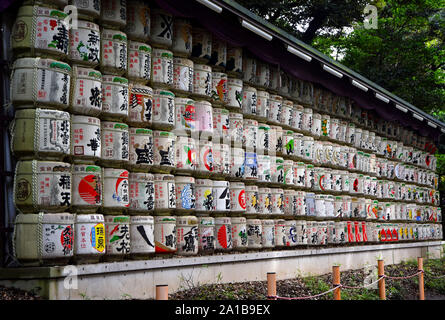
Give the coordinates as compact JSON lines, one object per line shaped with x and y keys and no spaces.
{"x":115,"y":100}
{"x":239,"y":233}
{"x":249,"y":101}
{"x":202,"y":80}
{"x":302,"y":232}
{"x":164,"y":150}
{"x":89,"y":9}
{"x":290,"y":202}
{"x":163,"y":109}
{"x":252,"y":201}
{"x":141,"y":149}
{"x":118,"y":238}
{"x":182,"y":37}
{"x":219,"y":53}
{"x":202,"y":45}
{"x":41,"y":133}
{"x":287,"y":114}
{"x":265,"y":201}
{"x":185,"y":194}
{"x":142,"y":236}
{"x":277,"y":201}
{"x":221,"y":160}
{"x":264,"y":172}
{"x":262,"y":78}
{"x":268,"y":234}
{"x":204,"y":195}
{"x":307,"y":120}
{"x":206,"y":234}
{"x":277,"y":170}
{"x":275,"y":109}
{"x":204,"y":118}
{"x":187,"y":235}
{"x":221,"y":124}
{"x":322,"y":233}
{"x":205,"y":162}
{"x":87,"y":188}
{"x":262,"y":143}
{"x":114,"y":51}
{"x":162,"y":68}
{"x":41,"y":31}
{"x":280,"y":233}
{"x":165,"y":193}
{"x":219,"y":87}
{"x":165,"y":236}
{"x":113,"y":13}
{"x":141,"y":102}
{"x":237,"y":197}
{"x":223,"y":233}
{"x":249,"y":68}
{"x":250,"y":133}
{"x":85,"y":139}
{"x":139,"y":62}
{"x":89,"y":237}
{"x":237,"y":168}
{"x":43,"y":239}
{"x":236,"y":128}
{"x":37,"y":81}
{"x":288,"y":143}
{"x":182,"y":75}
{"x":290,"y":233}
{"x":116,"y":190}
{"x":142,"y":193}
{"x":234,"y":93}
{"x":161,"y":31}
{"x":114,"y":143}
{"x":254,"y":233}
{"x":263,"y":105}
{"x":250,"y":166}
{"x":234,"y":59}
{"x":138,"y":20}
{"x":86,"y":95}
{"x":85,"y":43}
{"x":221,"y":193}
{"x":186,"y":155}
{"x":42,"y":185}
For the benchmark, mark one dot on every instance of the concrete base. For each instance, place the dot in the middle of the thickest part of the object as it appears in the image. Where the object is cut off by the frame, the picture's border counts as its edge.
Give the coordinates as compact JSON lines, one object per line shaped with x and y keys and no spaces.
{"x":138,"y":279}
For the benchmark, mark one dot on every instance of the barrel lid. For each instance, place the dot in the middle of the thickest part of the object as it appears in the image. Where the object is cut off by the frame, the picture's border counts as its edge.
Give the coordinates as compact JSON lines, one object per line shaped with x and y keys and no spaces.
{"x":33,"y":218}
{"x":110,"y":79}
{"x":250,"y":122}
{"x":85,"y":72}
{"x":115,"y":173}
{"x":184,"y":179}
{"x":116,"y":35}
{"x":29,"y":10}
{"x":141,"y":46}
{"x":217,"y":74}
{"x":235,"y":220}
{"x":140,"y":176}
{"x":117,"y":219}
{"x":204,"y":182}
{"x":42,"y":113}
{"x":217,"y":183}
{"x":249,"y":88}
{"x":83,"y":168}
{"x":236,"y":185}
{"x":289,"y":192}
{"x":163,"y":177}
{"x":279,"y":221}
{"x":26,"y":166}
{"x":202,"y":67}
{"x":251,"y":188}
{"x":186,"y":220}
{"x":165,"y":219}
{"x":90,"y":218}
{"x":114,"y":125}
{"x":275,"y":97}
{"x":85,"y":119}
{"x":221,"y":111}
{"x":235,"y":81}
{"x":277,"y":190}
{"x":84,"y":24}
{"x":288,"y":103}
{"x":165,"y":134}
{"x":142,"y":131}
{"x":290,"y":222}
{"x":298,"y":107}
{"x":203,"y":102}
{"x":55,"y":65}
{"x":236,"y":115}
{"x":262,"y":93}
{"x":268,"y":222}
{"x":264,"y":190}
{"x":142,"y":219}
{"x":182,"y":100}
{"x":163,"y":92}
{"x":207,"y":221}
{"x":253,"y":221}
{"x":222,"y":220}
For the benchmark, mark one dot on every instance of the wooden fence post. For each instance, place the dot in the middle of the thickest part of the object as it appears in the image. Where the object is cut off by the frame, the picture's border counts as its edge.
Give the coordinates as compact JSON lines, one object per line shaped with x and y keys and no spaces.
{"x":162,"y":292}
{"x":271,"y":285}
{"x":336,"y":282}
{"x":421,"y":279}
{"x":381,"y":271}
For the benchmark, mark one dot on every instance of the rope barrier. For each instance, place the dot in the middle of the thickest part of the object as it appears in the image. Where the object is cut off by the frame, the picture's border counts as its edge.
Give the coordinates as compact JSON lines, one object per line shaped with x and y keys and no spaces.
{"x":406,"y":277}
{"x":364,"y":286}
{"x":306,"y":297}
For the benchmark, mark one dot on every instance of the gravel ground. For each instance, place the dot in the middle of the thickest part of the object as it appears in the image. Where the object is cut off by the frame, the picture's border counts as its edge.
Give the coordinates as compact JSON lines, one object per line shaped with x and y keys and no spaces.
{"x":16,"y":294}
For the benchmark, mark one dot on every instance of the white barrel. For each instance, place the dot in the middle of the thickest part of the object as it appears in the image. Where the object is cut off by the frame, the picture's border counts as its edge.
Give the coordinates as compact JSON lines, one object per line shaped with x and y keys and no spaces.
{"x":250,"y":166}
{"x":165,"y":192}
{"x":185,"y":194}
{"x":115,"y":98}
{"x":275,"y":108}
{"x":43,"y":238}
{"x":223,"y":233}
{"x":237,"y":163}
{"x":162,"y":67}
{"x":290,"y":202}
{"x":161,"y":31}
{"x":221,"y":193}
{"x":89,"y":236}
{"x":237,"y":197}
{"x":262,"y":78}
{"x":264,"y":172}
{"x":41,"y":133}
{"x":164,"y":150}
{"x":39,"y":81}
{"x":219,"y":87}
{"x":138,"y":20}
{"x":268,"y":233}
{"x":86,"y":86}
{"x":142,"y":193}
{"x":307,"y":120}
{"x":142,"y":235}
{"x":205,"y":159}
{"x":204,"y":118}
{"x":236,"y":129}
{"x":42,"y":185}
{"x":252,"y":199}
{"x":32,"y":36}
{"x":186,"y":155}
{"x":84,"y":46}
{"x":187,"y":235}
{"x":265,"y":201}
{"x":139,"y":62}
{"x":87,"y":188}
{"x":89,"y":9}
{"x":114,"y":142}
{"x":263,"y":105}
{"x":204,"y":195}
{"x":117,"y":235}
{"x":249,"y":69}
{"x":221,"y":159}
{"x":262,"y":142}
{"x":309,"y":176}
{"x":165,"y":234}
{"x":287,"y":114}
{"x":277,"y":170}
{"x":163,"y":109}
{"x":182,"y":37}
{"x":277,"y":201}
{"x":202,"y":80}
{"x":202,"y":44}
{"x":316,"y":125}
{"x":280,"y":233}
{"x":221,"y":123}
{"x":288,"y":143}
{"x":116,"y":190}
{"x":219,"y":52}
{"x":299,"y":174}
{"x":234,"y":93}
{"x":183,"y":75}
{"x":113,"y":13}
{"x":254,"y":233}
{"x":234,"y":59}
{"x":290,"y":233}
{"x":140,"y":113}
{"x":239,"y":233}
{"x":206,"y":234}
{"x":302,"y":232}
{"x":249,"y":101}
{"x":141,"y":148}
{"x":114,"y":51}
{"x":308,"y":143}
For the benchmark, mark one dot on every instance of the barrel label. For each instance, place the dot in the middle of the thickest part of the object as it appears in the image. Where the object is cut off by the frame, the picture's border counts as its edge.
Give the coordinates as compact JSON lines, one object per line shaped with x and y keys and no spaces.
{"x":57,"y":240}
{"x":224,"y":237}
{"x":84,"y":45}
{"x":97,"y":239}
{"x":52,"y":87}
{"x":55,"y":132}
{"x":119,"y":239}
{"x":141,"y":105}
{"x":89,"y":190}
{"x":114,"y":54}
{"x":139,"y":64}
{"x":206,"y":238}
{"x":51,"y":33}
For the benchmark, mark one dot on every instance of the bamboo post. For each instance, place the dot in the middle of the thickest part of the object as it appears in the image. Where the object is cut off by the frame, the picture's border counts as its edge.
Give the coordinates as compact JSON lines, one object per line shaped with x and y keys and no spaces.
{"x":162,"y":292}
{"x":381,"y":271}
{"x":421,"y":279}
{"x":336,"y":282}
{"x":271,"y":285}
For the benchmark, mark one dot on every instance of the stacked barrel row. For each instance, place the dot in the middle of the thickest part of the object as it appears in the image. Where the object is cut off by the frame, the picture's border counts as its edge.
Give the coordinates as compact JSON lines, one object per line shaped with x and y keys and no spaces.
{"x":134,"y":113}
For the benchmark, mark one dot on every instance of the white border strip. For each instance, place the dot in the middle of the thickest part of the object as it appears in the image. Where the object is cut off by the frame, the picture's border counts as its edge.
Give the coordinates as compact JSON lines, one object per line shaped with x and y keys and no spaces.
{"x":210,"y":5}
{"x":332,"y":71}
{"x":298,"y":53}
{"x":256,"y":30}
